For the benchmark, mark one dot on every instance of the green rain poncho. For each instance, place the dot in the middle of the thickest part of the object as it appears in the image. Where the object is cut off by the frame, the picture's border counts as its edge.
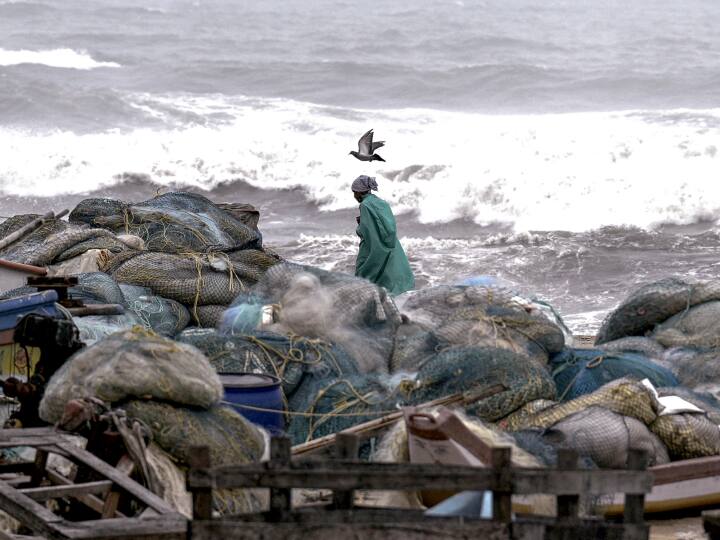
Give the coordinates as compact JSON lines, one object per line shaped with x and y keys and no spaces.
{"x":381,"y":258}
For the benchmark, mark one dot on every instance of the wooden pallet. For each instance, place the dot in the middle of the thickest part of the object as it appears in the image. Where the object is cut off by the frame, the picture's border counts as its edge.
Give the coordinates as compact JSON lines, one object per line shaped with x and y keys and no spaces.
{"x":346,"y":474}
{"x":25,"y":486}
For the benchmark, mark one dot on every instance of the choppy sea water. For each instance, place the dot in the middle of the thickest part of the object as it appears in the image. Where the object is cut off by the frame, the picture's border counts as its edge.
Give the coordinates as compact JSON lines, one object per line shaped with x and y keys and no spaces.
{"x":567,"y":147}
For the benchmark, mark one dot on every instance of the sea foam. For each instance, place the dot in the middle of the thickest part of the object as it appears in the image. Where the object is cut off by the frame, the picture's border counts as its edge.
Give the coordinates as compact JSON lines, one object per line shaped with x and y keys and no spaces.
{"x":575,"y":171}
{"x":57,"y":58}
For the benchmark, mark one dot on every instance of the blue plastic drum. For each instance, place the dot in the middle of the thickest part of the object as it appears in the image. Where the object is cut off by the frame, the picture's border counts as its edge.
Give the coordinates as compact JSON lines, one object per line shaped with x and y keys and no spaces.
{"x":256,"y":396}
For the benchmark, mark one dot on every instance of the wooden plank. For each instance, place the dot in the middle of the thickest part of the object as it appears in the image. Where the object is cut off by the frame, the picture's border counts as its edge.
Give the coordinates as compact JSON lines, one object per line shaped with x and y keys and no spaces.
{"x":123,"y":482}
{"x":32,"y":515}
{"x":350,"y":475}
{"x":502,"y":496}
{"x":202,"y":497}
{"x":687,"y":469}
{"x":25,"y":230}
{"x":97,"y":309}
{"x":70,"y":490}
{"x":168,"y":527}
{"x":370,"y":428}
{"x":280,"y":496}
{"x":635,"y":501}
{"x":567,"y":505}
{"x":91,"y":501}
{"x":38,"y":473}
{"x":125,"y":466}
{"x":346,"y":447}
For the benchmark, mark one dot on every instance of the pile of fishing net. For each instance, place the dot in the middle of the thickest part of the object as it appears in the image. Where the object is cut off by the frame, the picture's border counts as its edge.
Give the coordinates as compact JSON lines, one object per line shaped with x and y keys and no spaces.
{"x":161,"y":315}
{"x":232,"y":440}
{"x":469,"y":370}
{"x":205,"y":283}
{"x":582,"y":371}
{"x":322,"y":405}
{"x":657,"y":302}
{"x":696,"y":369}
{"x":480,"y":316}
{"x":293,"y":359}
{"x":172,"y":222}
{"x":54,"y":241}
{"x":697,"y":326}
{"x":133,"y":364}
{"x":351,"y":312}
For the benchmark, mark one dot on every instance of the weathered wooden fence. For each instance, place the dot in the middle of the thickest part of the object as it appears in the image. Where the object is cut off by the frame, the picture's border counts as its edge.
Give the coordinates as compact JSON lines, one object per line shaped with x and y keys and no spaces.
{"x":345,"y":474}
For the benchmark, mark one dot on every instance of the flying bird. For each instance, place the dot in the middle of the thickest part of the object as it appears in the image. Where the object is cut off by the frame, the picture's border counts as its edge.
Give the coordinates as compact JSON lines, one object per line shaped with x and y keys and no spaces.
{"x":366,"y":148}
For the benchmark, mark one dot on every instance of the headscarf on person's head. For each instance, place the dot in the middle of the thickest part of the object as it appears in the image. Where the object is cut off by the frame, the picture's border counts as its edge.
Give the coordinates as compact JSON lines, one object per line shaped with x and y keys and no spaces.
{"x":364,"y":184}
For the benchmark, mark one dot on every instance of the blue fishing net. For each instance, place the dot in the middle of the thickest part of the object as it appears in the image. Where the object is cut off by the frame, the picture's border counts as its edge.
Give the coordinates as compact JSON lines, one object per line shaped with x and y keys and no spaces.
{"x":582,"y":371}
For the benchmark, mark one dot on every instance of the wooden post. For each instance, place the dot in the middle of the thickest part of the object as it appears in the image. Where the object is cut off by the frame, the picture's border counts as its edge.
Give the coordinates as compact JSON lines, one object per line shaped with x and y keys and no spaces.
{"x":38,"y":473}
{"x":346,"y":447}
{"x":502,"y":498}
{"x":635,"y":502}
{"x":202,"y":497}
{"x":567,"y":505}
{"x":280,"y":498}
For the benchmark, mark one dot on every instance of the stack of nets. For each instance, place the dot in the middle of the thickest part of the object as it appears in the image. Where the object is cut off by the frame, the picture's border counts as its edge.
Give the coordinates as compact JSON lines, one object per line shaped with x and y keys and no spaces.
{"x":161,"y":315}
{"x":623,"y":396}
{"x":654,"y":303}
{"x":582,"y":371}
{"x":206,"y":284}
{"x":698,"y":370}
{"x":340,"y":308}
{"x":472,"y":369}
{"x":413,"y":345}
{"x":330,"y":405}
{"x":232,"y":440}
{"x":698,"y":326}
{"x":485,"y":317}
{"x":97,"y":288}
{"x":606,"y":437}
{"x":635,"y":344}
{"x":172,"y":222}
{"x":688,"y":435}
{"x":95,"y":328}
{"x":130,"y":364}
{"x":55,"y":241}
{"x":291,"y":359}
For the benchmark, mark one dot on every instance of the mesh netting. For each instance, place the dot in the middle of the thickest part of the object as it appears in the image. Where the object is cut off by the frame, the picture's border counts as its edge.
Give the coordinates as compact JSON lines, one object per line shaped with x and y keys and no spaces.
{"x":703,"y":401}
{"x":654,"y":303}
{"x":623,"y":396}
{"x":606,"y":437}
{"x":698,"y":326}
{"x":232,"y":441}
{"x":171,"y":222}
{"x":97,"y":288}
{"x":95,"y":328}
{"x":134,"y":363}
{"x":340,"y":308}
{"x":688,"y":435}
{"x":161,"y":315}
{"x":209,"y":316}
{"x":582,"y":371}
{"x":289,"y":358}
{"x":698,"y":370}
{"x":413,"y":346}
{"x":54,"y":241}
{"x":462,"y":369}
{"x":635,"y":344}
{"x":337,"y":405}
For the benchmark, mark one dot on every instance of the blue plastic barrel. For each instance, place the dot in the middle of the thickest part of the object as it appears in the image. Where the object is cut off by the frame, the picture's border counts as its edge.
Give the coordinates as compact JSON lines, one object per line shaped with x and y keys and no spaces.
{"x":256,"y":396}
{"x":14,"y":308}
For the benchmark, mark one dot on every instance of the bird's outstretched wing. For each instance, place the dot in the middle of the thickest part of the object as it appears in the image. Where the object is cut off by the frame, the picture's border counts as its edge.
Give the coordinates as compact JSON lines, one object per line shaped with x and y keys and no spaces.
{"x":377,"y":145}
{"x":365,"y":143}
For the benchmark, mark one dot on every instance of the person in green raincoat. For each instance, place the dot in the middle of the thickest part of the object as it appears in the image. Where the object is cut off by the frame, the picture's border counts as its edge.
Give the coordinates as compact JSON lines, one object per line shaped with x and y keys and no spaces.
{"x":381,"y":258}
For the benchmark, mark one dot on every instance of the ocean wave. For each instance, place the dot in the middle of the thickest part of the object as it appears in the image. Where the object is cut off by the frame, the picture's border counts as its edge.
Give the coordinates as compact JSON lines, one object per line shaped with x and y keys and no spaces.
{"x":57,"y":58}
{"x":574,"y":172}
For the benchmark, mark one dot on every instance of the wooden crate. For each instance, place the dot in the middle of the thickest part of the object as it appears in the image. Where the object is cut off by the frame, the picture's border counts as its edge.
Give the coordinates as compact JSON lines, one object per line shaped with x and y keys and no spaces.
{"x":346,"y":474}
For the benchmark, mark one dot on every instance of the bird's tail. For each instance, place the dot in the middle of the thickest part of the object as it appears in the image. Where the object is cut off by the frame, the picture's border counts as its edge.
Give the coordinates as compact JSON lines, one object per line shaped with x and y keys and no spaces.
{"x":376,"y":158}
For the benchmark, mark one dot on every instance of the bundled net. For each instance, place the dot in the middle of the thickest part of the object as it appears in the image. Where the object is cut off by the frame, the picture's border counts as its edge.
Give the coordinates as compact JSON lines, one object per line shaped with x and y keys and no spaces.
{"x":340,"y":308}
{"x":413,"y":346}
{"x":470,"y":369}
{"x":688,"y":435}
{"x":95,"y":328}
{"x":698,"y":370}
{"x":329,"y":405}
{"x":134,"y":363}
{"x":703,"y":401}
{"x":161,"y":315}
{"x":654,"y":303}
{"x":54,"y":241}
{"x":97,"y":288}
{"x":635,"y":344}
{"x":623,"y":396}
{"x":232,"y":440}
{"x":582,"y":371}
{"x":172,"y":222}
{"x":606,"y":437}
{"x":289,"y":358}
{"x":698,"y":326}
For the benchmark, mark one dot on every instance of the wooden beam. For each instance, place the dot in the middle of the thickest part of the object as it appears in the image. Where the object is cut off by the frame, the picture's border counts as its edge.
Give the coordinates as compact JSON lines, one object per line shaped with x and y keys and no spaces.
{"x":125,"y":466}
{"x":202,"y":497}
{"x":399,"y":476}
{"x":280,"y":496}
{"x":125,"y":483}
{"x":567,"y":505}
{"x":168,"y":527}
{"x":635,"y":500}
{"x":502,"y":494}
{"x":71,"y":490}
{"x":32,"y":515}
{"x":346,"y":448}
{"x":91,"y":501}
